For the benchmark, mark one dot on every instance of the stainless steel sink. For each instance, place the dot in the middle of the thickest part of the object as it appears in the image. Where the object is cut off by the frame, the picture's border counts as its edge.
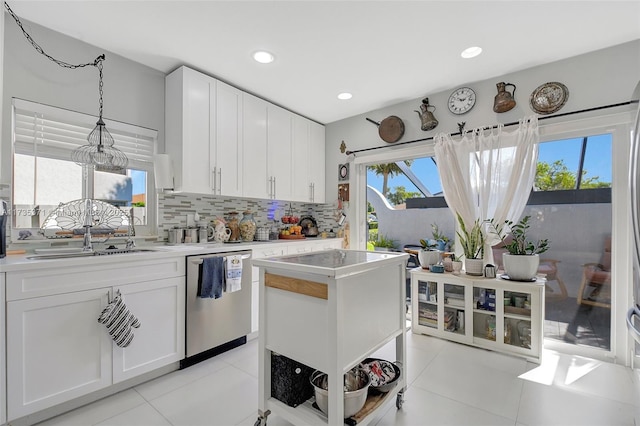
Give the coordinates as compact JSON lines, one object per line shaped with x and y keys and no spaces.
{"x":104,"y":252}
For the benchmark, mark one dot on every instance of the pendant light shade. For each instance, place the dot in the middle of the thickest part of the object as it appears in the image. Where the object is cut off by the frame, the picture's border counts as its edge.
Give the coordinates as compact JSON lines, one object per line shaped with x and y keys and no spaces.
{"x":100,"y":151}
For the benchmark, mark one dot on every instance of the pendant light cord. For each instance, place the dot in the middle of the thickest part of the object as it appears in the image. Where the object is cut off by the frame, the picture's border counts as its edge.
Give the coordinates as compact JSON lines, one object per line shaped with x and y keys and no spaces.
{"x":96,"y":63}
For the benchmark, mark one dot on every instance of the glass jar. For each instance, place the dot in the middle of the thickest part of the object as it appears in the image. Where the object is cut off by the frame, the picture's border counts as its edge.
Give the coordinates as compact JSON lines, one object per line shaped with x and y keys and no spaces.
{"x":232,"y":224}
{"x":247,"y":226}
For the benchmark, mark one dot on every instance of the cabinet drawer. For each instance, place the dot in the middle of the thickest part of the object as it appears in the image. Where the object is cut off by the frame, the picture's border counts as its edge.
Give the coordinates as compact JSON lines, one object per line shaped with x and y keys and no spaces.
{"x":45,"y":282}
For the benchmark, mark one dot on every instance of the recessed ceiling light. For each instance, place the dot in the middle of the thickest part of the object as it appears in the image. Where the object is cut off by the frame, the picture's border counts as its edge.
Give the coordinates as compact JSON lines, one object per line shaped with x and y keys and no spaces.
{"x":471,"y":52}
{"x":263,"y":57}
{"x":345,"y":95}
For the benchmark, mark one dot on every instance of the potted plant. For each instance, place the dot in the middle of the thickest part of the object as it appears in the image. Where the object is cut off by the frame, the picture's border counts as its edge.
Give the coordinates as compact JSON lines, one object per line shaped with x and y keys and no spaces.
{"x":522,"y":258}
{"x":383,"y":243}
{"x":429,"y":255}
{"x":441,"y":239}
{"x":456,"y":264}
{"x":472,"y":242}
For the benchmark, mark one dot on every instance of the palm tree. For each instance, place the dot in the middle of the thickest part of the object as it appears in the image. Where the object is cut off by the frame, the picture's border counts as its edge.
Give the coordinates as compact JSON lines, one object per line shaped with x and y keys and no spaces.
{"x":386,"y":170}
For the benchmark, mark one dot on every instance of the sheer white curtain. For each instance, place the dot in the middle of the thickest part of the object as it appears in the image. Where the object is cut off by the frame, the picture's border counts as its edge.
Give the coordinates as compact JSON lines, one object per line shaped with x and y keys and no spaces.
{"x":488,"y":173}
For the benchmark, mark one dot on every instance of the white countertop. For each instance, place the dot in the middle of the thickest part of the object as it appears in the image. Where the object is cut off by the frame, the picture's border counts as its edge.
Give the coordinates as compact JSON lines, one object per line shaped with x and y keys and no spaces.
{"x":22,"y":262}
{"x":334,"y":263}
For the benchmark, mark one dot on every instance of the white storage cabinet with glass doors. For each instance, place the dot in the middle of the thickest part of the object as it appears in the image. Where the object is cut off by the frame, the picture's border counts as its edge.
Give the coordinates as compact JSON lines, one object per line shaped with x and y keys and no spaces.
{"x":491,"y":313}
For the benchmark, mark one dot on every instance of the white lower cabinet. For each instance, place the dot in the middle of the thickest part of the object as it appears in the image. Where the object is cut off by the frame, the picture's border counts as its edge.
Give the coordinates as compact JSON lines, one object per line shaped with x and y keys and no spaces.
{"x":160,"y":339}
{"x":3,"y":348}
{"x":495,"y":314}
{"x":56,"y":349}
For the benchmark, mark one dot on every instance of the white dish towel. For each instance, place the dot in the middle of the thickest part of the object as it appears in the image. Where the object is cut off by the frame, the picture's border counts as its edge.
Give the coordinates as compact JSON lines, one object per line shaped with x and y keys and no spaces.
{"x":234,"y":274}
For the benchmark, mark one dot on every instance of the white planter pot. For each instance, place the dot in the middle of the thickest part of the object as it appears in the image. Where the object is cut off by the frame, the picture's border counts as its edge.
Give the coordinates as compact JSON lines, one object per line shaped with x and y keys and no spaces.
{"x":474,"y":266}
{"x":428,"y":257}
{"x":521,"y":267}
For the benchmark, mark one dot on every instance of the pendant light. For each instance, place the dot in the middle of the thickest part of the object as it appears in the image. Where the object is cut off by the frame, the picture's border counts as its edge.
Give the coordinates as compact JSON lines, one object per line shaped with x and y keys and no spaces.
{"x":100,"y":151}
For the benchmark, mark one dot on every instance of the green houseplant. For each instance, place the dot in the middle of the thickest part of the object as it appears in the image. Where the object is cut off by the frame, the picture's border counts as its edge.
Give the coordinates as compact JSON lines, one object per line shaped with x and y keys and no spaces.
{"x":384,"y":243}
{"x":472,"y":242}
{"x":521,"y":259}
{"x":429,"y":255}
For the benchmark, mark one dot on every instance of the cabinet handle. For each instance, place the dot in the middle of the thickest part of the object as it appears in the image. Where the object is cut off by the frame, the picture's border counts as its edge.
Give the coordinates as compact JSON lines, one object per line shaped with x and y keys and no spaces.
{"x":269,"y":186}
{"x":220,"y":181}
{"x":213,"y":180}
{"x":274,"y":188}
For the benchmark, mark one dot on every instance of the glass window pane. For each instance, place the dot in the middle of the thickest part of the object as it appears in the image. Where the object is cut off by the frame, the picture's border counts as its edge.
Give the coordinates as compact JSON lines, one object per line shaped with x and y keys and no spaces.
{"x":596,"y":171}
{"x":558,"y":163}
{"x":128,"y":190}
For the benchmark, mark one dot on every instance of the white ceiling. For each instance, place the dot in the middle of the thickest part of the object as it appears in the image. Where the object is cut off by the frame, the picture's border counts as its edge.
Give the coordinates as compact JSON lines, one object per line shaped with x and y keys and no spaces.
{"x":384,"y":52}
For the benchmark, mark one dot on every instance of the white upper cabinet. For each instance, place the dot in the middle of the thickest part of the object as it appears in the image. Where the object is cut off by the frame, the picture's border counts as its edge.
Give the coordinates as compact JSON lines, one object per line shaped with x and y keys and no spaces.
{"x":227,"y":169}
{"x":301,"y":184}
{"x":189,"y":124}
{"x":279,"y":152}
{"x":317,"y":163}
{"x":227,"y":142}
{"x":255,"y":182}
{"x":309,"y":160}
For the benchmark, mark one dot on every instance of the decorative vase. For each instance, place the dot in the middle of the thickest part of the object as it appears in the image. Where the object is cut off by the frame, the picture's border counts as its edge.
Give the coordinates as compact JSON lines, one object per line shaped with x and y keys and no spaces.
{"x":232,"y":223}
{"x":457,"y":267}
{"x":247,"y":226}
{"x":473,"y":266}
{"x":428,"y":257}
{"x":521,"y":267}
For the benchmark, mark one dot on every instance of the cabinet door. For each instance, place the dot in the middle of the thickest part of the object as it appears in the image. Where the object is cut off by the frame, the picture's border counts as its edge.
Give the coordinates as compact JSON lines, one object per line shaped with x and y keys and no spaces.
{"x":255,"y":183}
{"x":228,"y":140}
{"x":190,"y":128}
{"x":520,"y":324}
{"x":57,"y":350}
{"x":317,"y":162}
{"x":279,"y":153}
{"x":159,"y":340}
{"x":425,"y":294}
{"x":3,"y":347}
{"x":455,"y":302}
{"x":485,"y":327}
{"x":300,"y":181}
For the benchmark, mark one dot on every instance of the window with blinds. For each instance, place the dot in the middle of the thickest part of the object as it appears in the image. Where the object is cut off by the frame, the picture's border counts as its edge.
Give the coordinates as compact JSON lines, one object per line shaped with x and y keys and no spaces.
{"x":44,"y":175}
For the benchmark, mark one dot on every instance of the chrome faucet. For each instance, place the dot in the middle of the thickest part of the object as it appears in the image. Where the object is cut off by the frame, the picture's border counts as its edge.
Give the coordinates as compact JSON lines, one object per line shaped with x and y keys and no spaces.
{"x":131,"y":232}
{"x":88,"y":224}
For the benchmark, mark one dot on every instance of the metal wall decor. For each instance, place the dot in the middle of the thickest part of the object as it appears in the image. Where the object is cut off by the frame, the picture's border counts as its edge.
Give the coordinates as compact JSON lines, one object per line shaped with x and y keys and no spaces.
{"x":390,"y":129}
{"x":504,"y":100}
{"x":427,"y":118}
{"x":548,"y":97}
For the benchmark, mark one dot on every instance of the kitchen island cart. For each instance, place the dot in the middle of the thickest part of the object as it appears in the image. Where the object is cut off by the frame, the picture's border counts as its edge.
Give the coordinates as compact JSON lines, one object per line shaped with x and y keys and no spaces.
{"x":329,"y":310}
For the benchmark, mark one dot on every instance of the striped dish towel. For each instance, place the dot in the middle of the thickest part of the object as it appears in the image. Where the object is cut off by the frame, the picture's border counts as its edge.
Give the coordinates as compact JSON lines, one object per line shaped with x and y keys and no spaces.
{"x":119,"y":321}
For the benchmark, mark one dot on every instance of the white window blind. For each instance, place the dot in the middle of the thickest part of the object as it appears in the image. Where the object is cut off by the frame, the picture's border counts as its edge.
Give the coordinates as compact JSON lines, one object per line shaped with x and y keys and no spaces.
{"x":46,"y":131}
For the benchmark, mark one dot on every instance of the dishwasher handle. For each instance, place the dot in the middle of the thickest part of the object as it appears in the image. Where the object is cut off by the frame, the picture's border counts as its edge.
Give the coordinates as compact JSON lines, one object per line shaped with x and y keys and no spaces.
{"x":199,"y":260}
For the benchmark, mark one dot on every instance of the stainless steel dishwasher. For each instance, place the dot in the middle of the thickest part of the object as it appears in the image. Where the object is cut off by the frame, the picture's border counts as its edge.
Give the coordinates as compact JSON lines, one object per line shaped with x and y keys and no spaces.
{"x":214,"y":326}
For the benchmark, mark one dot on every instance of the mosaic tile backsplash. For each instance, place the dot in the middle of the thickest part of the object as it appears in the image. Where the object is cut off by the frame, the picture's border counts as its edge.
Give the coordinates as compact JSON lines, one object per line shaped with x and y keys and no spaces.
{"x":174,"y":208}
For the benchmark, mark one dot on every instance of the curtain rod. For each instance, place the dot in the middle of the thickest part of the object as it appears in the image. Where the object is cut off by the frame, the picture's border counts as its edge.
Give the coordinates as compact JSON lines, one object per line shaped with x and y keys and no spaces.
{"x":492,"y":127}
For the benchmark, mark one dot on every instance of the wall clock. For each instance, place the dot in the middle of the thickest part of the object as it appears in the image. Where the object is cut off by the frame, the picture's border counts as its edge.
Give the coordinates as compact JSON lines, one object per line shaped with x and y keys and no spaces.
{"x":343,"y":172}
{"x":462,"y":100}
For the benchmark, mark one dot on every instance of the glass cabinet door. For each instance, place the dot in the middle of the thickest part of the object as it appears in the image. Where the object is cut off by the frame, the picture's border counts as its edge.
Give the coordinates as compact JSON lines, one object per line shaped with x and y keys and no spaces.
{"x":428,"y":303}
{"x":517,"y":319}
{"x":454,"y":309}
{"x":484,"y":313}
